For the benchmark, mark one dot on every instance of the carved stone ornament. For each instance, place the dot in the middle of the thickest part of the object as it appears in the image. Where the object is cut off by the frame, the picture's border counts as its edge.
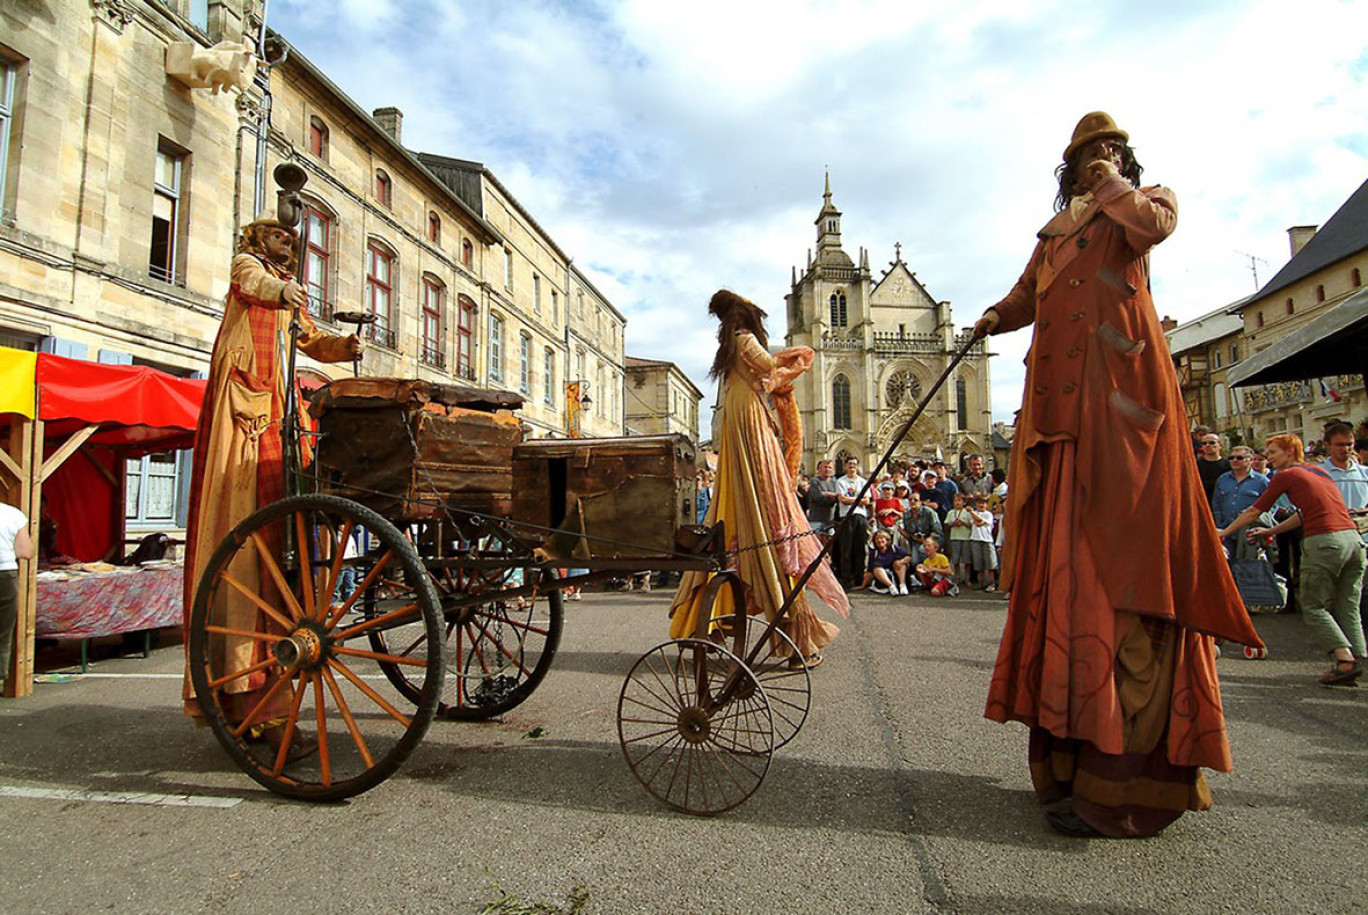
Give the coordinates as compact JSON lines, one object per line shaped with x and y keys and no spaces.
{"x":249,"y":108}
{"x":902,"y":387}
{"x":116,"y":14}
{"x":227,"y":65}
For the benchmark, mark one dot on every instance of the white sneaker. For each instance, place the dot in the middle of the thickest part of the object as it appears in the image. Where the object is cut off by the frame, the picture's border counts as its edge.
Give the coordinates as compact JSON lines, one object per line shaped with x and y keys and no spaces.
{"x":902,"y":589}
{"x":878,"y":589}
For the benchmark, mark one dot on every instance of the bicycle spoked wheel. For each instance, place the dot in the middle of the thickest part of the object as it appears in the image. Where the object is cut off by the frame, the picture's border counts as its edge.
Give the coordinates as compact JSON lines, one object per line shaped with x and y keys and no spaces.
{"x":695,"y":726}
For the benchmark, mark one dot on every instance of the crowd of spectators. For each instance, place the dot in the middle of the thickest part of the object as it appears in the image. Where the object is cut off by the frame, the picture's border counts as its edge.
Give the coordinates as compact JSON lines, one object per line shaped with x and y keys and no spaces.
{"x":1310,"y":527}
{"x":918,"y":528}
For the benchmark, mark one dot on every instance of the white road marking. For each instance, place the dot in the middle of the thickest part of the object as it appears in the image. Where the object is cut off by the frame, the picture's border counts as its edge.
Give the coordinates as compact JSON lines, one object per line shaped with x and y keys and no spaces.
{"x":106,"y":797}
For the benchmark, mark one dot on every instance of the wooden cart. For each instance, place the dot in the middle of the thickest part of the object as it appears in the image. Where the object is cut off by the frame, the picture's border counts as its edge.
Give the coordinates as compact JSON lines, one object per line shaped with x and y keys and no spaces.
{"x":420,"y":575}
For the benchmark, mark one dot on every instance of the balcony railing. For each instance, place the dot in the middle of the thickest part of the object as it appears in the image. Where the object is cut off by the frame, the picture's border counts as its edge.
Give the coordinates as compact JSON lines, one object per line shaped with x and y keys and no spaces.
{"x":432,"y":356}
{"x":889,"y":342}
{"x":1281,"y":394}
{"x":320,"y":309}
{"x":466,"y":371}
{"x":378,"y":333}
{"x":842,"y":342}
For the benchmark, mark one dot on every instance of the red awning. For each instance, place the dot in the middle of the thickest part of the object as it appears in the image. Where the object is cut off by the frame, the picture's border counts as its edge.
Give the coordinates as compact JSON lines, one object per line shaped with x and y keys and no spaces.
{"x":136,"y":406}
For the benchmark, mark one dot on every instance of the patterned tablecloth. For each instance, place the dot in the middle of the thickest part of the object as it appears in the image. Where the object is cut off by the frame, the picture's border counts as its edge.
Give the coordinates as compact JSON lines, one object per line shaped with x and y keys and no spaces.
{"x":99,"y":605}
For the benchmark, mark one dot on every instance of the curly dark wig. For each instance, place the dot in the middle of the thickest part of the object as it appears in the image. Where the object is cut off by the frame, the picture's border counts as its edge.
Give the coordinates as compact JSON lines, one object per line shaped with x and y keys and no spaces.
{"x":735,"y":314}
{"x":1068,"y":175}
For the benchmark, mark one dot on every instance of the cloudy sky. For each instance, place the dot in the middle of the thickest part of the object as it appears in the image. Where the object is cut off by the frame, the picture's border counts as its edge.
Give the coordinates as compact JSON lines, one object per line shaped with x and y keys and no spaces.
{"x":673,"y":148}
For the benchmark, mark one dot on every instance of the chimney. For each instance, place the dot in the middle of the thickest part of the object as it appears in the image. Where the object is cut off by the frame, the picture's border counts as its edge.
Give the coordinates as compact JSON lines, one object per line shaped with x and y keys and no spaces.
{"x":391,"y":120}
{"x":1167,"y":323}
{"x":1298,"y":236}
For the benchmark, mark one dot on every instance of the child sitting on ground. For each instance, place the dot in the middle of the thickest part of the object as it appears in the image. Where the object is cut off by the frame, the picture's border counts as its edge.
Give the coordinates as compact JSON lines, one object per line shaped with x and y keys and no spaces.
{"x":888,"y":564}
{"x":934,"y":571}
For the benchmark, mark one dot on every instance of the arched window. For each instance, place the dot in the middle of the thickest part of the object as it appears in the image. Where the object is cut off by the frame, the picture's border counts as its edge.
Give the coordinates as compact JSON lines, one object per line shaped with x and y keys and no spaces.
{"x":316,"y":244}
{"x":838,"y":309}
{"x":467,"y":252}
{"x":1320,"y":293}
{"x":434,"y":294}
{"x":962,"y":403}
{"x":841,"y":457}
{"x":384,"y":188}
{"x":380,"y":291}
{"x":1290,"y":306}
{"x":1355,"y":278}
{"x":465,"y":337}
{"x":318,"y":138}
{"x":840,"y":402}
{"x":434,"y":228}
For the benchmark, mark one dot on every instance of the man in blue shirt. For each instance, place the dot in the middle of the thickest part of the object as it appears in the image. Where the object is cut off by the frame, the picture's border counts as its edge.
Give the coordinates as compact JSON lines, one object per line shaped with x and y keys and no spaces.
{"x":1351,"y":478}
{"x":1236,"y":490}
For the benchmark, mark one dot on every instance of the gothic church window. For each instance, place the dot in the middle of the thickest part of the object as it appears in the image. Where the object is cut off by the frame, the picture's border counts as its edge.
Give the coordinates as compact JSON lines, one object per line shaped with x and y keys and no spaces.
{"x":962,"y":403}
{"x":840,"y":402}
{"x":838,"y":309}
{"x":901,"y":388}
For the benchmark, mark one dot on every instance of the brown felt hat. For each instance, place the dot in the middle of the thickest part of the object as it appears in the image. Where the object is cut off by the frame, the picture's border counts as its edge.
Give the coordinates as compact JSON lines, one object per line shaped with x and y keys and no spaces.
{"x":1093,"y":125}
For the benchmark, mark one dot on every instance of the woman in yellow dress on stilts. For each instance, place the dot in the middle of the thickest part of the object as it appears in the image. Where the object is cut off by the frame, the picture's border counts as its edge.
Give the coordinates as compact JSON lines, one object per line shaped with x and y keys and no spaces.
{"x":759,"y":443}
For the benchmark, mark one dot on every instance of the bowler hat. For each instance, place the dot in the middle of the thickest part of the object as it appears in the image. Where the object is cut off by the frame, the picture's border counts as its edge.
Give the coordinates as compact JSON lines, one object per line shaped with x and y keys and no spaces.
{"x":1093,"y":125}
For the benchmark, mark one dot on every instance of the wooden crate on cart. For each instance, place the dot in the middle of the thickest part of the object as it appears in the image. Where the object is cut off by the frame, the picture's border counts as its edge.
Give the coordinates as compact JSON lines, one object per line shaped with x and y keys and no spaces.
{"x":412,"y":449}
{"x":597,"y":499}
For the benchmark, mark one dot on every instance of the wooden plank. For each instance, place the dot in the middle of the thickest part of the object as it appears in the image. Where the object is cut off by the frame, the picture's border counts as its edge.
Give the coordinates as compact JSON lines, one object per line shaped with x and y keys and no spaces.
{"x":12,"y":466}
{"x":26,"y":447}
{"x":67,"y":450}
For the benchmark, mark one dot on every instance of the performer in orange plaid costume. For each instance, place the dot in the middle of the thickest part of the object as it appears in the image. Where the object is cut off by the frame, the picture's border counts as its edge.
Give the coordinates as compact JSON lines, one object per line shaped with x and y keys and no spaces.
{"x":238,"y":464}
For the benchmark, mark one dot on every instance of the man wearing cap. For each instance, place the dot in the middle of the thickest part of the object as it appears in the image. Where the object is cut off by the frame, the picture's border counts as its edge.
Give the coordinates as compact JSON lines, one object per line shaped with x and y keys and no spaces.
{"x":1107,"y":655}
{"x":238,"y":462}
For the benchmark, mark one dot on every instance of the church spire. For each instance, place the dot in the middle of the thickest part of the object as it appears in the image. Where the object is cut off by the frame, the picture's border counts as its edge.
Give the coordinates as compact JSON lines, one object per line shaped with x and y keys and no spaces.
{"x":828,"y":221}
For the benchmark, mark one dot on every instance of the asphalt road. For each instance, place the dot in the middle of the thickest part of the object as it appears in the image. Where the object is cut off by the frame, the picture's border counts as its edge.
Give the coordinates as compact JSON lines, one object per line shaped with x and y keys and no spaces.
{"x":897,"y":796}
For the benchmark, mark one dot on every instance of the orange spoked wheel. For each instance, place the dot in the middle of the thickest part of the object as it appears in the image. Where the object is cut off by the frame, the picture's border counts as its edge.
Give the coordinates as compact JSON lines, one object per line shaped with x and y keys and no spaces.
{"x":695,"y":726}
{"x":498,"y":647}
{"x":280,"y":652}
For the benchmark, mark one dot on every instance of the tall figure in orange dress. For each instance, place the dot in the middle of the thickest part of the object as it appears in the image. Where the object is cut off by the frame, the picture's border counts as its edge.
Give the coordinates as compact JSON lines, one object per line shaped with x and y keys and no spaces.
{"x":759,"y":443}
{"x":1117,"y":578}
{"x":238,"y":465}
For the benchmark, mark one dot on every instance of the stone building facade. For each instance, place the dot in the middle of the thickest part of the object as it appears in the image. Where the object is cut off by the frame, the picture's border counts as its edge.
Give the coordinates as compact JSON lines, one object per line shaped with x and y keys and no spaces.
{"x":1325,"y":268}
{"x":124,"y":182}
{"x":660,"y":399}
{"x":879,"y":343}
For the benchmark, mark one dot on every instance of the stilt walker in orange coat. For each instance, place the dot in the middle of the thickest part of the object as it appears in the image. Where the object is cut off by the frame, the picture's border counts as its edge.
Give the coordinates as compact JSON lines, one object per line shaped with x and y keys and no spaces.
{"x":239,"y":464}
{"x":1117,"y":578}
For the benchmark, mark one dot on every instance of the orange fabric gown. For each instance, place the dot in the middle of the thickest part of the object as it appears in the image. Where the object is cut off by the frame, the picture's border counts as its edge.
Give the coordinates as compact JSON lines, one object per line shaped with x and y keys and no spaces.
{"x":755,"y":500}
{"x":1116,"y":575}
{"x":237,"y":460}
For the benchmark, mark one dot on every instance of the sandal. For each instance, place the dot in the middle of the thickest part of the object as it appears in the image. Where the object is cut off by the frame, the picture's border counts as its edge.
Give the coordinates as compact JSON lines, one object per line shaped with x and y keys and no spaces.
{"x":1343,"y":673}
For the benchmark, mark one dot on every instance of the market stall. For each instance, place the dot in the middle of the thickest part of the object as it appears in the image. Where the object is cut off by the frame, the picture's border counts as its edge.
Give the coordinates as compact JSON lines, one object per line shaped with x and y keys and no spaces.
{"x":68,"y":426}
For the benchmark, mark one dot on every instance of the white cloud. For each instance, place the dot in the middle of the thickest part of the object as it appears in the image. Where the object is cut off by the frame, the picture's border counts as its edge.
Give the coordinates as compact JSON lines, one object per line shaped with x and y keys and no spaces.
{"x":675,"y":148}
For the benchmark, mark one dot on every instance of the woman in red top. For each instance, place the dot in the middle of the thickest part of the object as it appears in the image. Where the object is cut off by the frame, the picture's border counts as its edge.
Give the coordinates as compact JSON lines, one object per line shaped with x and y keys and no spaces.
{"x":1332,"y":554}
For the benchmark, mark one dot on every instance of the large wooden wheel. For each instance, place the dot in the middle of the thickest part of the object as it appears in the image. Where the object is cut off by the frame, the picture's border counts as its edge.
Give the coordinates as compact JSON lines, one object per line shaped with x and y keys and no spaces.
{"x":498,"y":648}
{"x":695,"y":726}
{"x":273,"y":645}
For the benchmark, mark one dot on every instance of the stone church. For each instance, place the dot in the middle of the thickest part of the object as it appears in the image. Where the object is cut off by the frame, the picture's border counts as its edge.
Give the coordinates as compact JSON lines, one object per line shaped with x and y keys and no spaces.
{"x":880,"y":343}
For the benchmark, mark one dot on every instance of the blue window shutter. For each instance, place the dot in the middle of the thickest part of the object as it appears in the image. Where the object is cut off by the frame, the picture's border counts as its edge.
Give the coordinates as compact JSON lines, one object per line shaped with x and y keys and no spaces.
{"x":59,"y":346}
{"x":114,"y":357}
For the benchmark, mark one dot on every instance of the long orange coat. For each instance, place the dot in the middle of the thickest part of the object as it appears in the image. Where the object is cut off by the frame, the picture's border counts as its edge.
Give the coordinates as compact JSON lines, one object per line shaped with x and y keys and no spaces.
{"x":238,"y":466}
{"x":1099,"y":373}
